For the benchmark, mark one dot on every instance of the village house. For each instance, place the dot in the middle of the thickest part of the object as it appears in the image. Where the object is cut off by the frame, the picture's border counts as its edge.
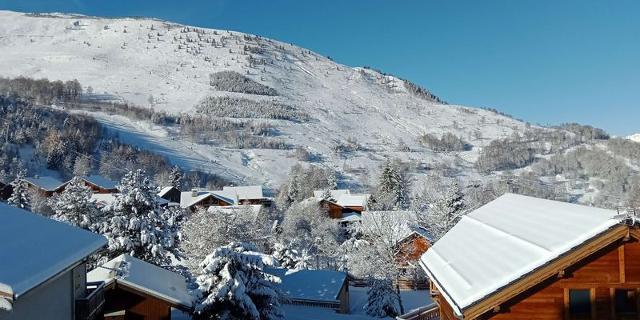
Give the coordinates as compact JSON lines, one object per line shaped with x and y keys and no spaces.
{"x":228,"y":196}
{"x":314,"y":288}
{"x":170,"y":193}
{"x":135,"y":289}
{"x":341,"y":204}
{"x":525,"y":258}
{"x":99,"y":184}
{"x":43,"y":268}
{"x":46,"y":186}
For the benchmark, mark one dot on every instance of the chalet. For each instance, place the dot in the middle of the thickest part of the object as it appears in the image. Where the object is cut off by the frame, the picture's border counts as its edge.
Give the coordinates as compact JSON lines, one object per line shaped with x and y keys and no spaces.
{"x":253,"y":209}
{"x":341,"y":204}
{"x":195,"y":199}
{"x":99,"y":184}
{"x":525,"y":258}
{"x":316,"y":288}
{"x":246,"y":195}
{"x":46,"y":186}
{"x":135,"y":289}
{"x":43,"y":268}
{"x":170,"y":193}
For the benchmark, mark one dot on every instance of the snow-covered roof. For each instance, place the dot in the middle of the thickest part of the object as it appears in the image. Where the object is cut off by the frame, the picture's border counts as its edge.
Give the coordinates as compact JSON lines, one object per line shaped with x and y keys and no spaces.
{"x":35,"y":248}
{"x":243,"y":192}
{"x":109,"y":198}
{"x":353,"y":200}
{"x":316,"y":285}
{"x":45,"y":183}
{"x":100,"y":181}
{"x":350,"y":217}
{"x":165,"y":190}
{"x":188,"y":199}
{"x":335,"y":194}
{"x":506,"y":239}
{"x":253,"y":208}
{"x":148,"y":278}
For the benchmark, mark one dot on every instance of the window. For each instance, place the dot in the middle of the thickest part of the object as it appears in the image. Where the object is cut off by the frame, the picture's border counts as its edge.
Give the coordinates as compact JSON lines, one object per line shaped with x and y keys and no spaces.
{"x":626,"y":302}
{"x":580,"y":303}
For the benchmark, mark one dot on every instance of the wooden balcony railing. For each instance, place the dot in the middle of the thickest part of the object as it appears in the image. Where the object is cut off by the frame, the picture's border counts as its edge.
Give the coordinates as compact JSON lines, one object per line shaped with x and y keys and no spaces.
{"x":431,"y":312}
{"x":90,"y":307}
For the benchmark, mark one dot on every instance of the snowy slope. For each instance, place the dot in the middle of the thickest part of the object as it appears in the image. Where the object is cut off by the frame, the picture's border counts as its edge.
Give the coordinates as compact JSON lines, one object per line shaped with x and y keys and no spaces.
{"x":133,"y":59}
{"x":635,"y":137}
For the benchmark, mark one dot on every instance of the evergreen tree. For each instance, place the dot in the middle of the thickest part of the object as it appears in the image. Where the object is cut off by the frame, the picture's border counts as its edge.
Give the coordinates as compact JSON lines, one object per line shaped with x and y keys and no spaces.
{"x":392,"y":189}
{"x":445,"y":211}
{"x":233,"y":285}
{"x":20,"y":196}
{"x":176,"y":178}
{"x":135,"y":224}
{"x":74,"y":205}
{"x":382,"y":300}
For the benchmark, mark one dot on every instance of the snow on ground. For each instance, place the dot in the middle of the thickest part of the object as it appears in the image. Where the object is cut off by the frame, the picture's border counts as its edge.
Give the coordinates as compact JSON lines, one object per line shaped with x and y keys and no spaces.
{"x":635,"y":137}
{"x":132,"y":60}
{"x":357,"y":299}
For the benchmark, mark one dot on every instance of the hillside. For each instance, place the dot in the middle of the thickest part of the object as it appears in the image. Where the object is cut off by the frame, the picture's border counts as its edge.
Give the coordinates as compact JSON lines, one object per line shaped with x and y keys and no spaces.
{"x":270,"y":105}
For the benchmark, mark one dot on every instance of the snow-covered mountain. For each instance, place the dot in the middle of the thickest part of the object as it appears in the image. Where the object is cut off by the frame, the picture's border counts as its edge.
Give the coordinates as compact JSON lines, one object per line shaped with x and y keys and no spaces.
{"x":167,"y":66}
{"x":634,"y":137}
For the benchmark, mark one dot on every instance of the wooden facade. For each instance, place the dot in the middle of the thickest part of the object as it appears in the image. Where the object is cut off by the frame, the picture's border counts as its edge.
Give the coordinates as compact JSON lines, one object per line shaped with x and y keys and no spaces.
{"x":172,"y":195}
{"x":126,"y":303}
{"x":336,"y":211}
{"x":599,"y":279}
{"x":99,"y":189}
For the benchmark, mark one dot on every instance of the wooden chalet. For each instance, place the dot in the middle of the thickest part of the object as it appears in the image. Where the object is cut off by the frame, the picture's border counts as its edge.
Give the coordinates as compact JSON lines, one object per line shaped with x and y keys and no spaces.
{"x":170,"y":193}
{"x":246,"y":195}
{"x":525,"y":258}
{"x":135,"y":289}
{"x":46,"y":186}
{"x":195,"y":199}
{"x":340,"y":204}
{"x":99,"y":184}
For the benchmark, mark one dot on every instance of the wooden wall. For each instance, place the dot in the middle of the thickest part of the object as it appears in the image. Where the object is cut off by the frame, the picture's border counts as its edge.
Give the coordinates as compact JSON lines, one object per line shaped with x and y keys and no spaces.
{"x":617,"y":266}
{"x":334,"y":210}
{"x":136,"y":305}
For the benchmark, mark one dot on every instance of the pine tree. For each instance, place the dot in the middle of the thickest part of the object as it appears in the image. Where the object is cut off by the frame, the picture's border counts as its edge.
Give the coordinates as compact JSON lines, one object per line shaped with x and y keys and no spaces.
{"x":20,"y":196}
{"x":74,"y":205}
{"x":233,"y":285}
{"x":382,"y":300}
{"x":135,"y":224}
{"x":445,"y":212}
{"x":176,"y":178}
{"x":392,"y":188}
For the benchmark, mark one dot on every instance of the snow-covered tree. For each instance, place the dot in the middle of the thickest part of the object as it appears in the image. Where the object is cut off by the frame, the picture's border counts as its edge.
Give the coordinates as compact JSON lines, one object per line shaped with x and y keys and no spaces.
{"x":175,"y":178}
{"x":73,"y":205}
{"x":445,"y":211}
{"x":20,"y":196}
{"x":306,"y":228}
{"x":233,"y":285}
{"x":135,"y":224}
{"x":391,"y":192}
{"x":208,"y":229}
{"x":82,"y":166}
{"x":291,"y":258}
{"x":382,"y":300}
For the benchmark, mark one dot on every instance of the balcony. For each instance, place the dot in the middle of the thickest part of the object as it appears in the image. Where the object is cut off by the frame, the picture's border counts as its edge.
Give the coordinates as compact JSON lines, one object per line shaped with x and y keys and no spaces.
{"x":431,"y":312}
{"x":90,"y":307}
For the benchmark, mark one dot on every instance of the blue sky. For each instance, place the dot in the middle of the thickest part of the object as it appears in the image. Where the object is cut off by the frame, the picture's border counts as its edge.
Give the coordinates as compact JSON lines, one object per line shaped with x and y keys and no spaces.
{"x":544,"y":61}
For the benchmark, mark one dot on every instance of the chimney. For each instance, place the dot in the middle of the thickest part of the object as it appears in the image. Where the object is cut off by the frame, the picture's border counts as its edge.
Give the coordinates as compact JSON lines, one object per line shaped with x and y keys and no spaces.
{"x":194,"y":192}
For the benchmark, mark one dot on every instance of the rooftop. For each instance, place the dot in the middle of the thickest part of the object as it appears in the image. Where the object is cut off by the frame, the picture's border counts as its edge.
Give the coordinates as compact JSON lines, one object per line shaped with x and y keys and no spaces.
{"x":100,"y":181}
{"x":35,"y":248}
{"x":148,"y":278}
{"x":317,"y":285}
{"x":506,"y":239}
{"x":45,"y":183}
